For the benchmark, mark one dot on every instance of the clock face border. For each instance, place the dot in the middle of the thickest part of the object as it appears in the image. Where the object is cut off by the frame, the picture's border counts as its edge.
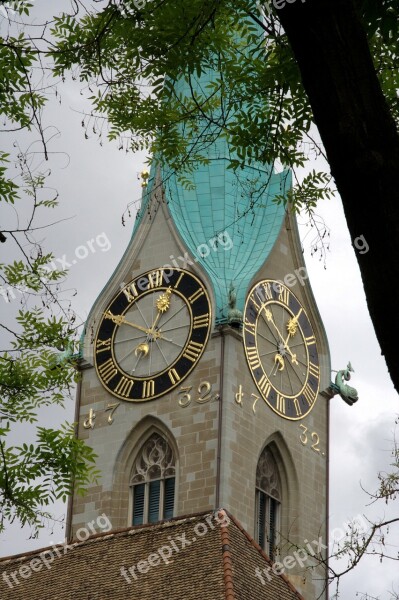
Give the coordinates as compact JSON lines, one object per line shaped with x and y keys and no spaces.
{"x":296,"y":406}
{"x":193,"y":292}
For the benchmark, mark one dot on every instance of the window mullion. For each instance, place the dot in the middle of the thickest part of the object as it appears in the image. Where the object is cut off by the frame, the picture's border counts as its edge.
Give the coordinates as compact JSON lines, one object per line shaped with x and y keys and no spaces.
{"x":146,"y":501}
{"x":161,"y":498}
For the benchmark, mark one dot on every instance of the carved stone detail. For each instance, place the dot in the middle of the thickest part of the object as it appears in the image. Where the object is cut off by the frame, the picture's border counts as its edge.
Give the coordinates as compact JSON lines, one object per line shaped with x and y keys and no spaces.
{"x":267,"y":477}
{"x":155,"y":461}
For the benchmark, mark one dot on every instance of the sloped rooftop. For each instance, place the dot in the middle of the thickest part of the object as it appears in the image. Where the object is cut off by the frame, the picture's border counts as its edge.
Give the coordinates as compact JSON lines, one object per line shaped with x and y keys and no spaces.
{"x":207,"y":556}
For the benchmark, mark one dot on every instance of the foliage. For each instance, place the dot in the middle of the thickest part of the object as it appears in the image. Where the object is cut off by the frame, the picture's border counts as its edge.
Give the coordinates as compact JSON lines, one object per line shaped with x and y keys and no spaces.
{"x":142,"y":69}
{"x":123,"y":57}
{"x":32,"y":376}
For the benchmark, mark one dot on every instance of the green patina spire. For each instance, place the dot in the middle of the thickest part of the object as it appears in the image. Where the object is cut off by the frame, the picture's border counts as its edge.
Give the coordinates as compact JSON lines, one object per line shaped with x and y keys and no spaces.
{"x":228,"y":224}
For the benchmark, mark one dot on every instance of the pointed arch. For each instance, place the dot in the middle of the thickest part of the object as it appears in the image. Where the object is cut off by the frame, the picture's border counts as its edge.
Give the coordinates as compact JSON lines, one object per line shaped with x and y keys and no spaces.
{"x":276,"y":495}
{"x":145,"y":475}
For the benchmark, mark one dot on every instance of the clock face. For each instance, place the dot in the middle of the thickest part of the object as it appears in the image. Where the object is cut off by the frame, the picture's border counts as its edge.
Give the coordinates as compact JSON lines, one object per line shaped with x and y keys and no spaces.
{"x":152,"y":334}
{"x":281,"y":349}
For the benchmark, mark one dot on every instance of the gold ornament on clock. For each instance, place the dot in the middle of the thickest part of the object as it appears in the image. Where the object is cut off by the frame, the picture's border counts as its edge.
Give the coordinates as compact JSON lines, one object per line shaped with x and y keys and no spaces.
{"x":152,"y":334}
{"x":281,"y":349}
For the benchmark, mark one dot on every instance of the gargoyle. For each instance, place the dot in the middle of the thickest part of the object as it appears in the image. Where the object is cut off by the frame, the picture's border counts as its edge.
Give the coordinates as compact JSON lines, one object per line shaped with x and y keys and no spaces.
{"x":347,"y":392}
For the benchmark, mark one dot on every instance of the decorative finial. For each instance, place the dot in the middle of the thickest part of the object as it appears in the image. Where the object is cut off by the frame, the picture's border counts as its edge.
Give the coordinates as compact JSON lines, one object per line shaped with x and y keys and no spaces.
{"x":144,"y":175}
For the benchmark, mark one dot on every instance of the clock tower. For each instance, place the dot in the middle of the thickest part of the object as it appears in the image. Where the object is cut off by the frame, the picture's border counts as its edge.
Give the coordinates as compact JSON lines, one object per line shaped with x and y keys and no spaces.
{"x":203,"y":366}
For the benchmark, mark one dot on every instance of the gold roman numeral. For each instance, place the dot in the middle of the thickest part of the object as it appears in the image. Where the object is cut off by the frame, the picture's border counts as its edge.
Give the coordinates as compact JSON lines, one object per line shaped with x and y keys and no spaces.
{"x":314,"y":370}
{"x":249,"y":327}
{"x":148,"y":388}
{"x":193,"y":351}
{"x":309,"y":395}
{"x":280,"y":404}
{"x":124,"y":387}
{"x":264,"y":386}
{"x":130,"y":292}
{"x":107,"y":370}
{"x":196,"y":295}
{"x":201,"y":321}
{"x":179,"y":280}
{"x":310,"y":340}
{"x":297,"y":407}
{"x":253,"y":358}
{"x":174,"y":376}
{"x":256,"y":305}
{"x":284,"y":295}
{"x":103,"y":345}
{"x":268,"y":291}
{"x":155,"y":279}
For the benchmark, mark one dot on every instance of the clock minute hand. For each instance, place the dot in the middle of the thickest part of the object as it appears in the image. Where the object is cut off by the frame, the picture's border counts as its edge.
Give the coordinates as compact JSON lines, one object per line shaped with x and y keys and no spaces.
{"x":120,"y":320}
{"x":269,"y":317}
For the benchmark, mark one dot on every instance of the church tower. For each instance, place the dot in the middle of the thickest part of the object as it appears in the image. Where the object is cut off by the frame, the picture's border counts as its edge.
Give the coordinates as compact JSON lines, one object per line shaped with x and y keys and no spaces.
{"x":203,"y":364}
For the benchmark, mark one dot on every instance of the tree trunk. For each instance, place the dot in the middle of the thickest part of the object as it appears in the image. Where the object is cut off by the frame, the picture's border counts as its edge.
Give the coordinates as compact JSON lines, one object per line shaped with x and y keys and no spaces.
{"x":362,"y":145}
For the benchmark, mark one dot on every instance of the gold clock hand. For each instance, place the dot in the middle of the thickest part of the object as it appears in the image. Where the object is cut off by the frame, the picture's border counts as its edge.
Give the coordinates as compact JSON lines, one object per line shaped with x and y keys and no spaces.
{"x":142,"y":349}
{"x":279,"y":362}
{"x":286,"y":346}
{"x":269,"y":317}
{"x":120,"y":320}
{"x":163,"y":304}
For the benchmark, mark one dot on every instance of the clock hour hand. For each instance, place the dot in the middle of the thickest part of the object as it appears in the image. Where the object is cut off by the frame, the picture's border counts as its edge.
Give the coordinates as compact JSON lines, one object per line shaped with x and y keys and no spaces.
{"x":269,"y":317}
{"x":163,"y":304}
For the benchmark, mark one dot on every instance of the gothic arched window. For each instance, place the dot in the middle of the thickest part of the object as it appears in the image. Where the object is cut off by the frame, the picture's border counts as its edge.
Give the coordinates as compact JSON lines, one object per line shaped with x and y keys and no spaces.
{"x":267,"y":503}
{"x":153,"y":482}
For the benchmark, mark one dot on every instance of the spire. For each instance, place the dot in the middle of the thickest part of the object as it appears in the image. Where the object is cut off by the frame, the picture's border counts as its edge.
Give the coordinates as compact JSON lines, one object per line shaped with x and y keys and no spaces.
{"x":227,"y":219}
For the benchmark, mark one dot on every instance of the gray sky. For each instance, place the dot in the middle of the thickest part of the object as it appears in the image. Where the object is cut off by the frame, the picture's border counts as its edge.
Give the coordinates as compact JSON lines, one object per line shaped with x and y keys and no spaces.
{"x":95,"y":185}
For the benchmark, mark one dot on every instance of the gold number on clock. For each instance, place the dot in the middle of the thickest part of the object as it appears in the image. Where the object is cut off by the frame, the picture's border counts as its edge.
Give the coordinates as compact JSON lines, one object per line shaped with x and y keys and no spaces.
{"x":256,"y":305}
{"x":249,"y":327}
{"x":314,"y":370}
{"x":253,"y":358}
{"x":130,"y":292}
{"x":284,"y":296}
{"x":297,"y":407}
{"x":174,"y":376}
{"x":103,"y":345}
{"x":309,"y":394}
{"x":148,"y":388}
{"x":201,"y":321}
{"x":179,"y":280}
{"x":264,"y":385}
{"x":107,"y":370}
{"x":155,"y":279}
{"x":268,"y":291}
{"x":195,"y":296}
{"x":280,"y":404}
{"x":193,"y":351}
{"x":124,"y":387}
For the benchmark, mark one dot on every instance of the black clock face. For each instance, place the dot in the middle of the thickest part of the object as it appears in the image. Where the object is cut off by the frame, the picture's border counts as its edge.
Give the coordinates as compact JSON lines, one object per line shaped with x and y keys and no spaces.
{"x":152,"y":334}
{"x":281,"y":349}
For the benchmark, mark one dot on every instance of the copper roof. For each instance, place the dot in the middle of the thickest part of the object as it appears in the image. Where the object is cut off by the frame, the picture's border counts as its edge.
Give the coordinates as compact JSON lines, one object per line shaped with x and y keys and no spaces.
{"x":207,"y":556}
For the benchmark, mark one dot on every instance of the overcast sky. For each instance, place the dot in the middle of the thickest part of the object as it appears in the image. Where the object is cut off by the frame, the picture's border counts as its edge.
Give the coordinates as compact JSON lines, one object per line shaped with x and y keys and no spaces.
{"x":95,"y":185}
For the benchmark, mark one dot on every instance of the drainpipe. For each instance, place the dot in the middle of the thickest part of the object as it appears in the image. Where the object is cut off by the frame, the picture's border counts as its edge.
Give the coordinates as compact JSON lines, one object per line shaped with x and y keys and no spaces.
{"x":220,"y":420}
